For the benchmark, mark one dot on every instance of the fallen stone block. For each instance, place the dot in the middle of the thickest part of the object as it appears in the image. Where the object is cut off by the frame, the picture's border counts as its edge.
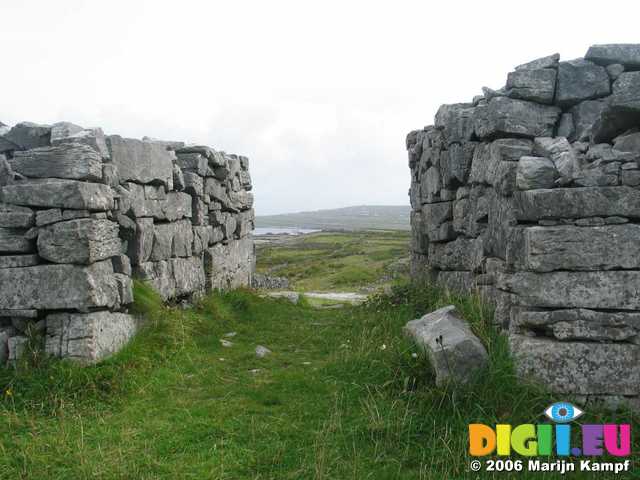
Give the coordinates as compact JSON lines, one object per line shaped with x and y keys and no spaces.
{"x":70,"y":194}
{"x":578,"y":368}
{"x":54,"y":286}
{"x":455,"y":353}
{"x":81,"y":241}
{"x":88,"y":337}
{"x":68,"y":160}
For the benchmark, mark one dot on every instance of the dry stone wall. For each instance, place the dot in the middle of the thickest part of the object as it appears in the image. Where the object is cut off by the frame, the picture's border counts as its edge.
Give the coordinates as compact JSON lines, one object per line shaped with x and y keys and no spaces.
{"x":82,"y":213}
{"x":530,"y":196}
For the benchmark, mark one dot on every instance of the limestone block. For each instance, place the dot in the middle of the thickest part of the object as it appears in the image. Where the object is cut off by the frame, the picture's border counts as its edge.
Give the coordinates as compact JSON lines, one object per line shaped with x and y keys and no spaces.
{"x":580,"y":80}
{"x":193,"y":183}
{"x":214,"y":158}
{"x":455,"y":353}
{"x":560,"y":152}
{"x":550,"y":61}
{"x":459,"y":254}
{"x":229,"y":266}
{"x":47,"y":217}
{"x":88,"y":337}
{"x":141,"y":162}
{"x":627,"y":54}
{"x":68,"y":160}
{"x":12,"y":240}
{"x":53,"y":286}
{"x":509,"y":117}
{"x":579,"y":248}
{"x":623,"y":111}
{"x":535,"y":172}
{"x":193,"y":162}
{"x":65,"y":132}
{"x":577,"y":203}
{"x":172,"y":240}
{"x":578,"y":368}
{"x":535,"y":85}
{"x":460,"y":282}
{"x":13,"y":216}
{"x":174,"y":277}
{"x":585,"y":115}
{"x":55,"y":193}
{"x":628,"y":143}
{"x":15,"y":261}
{"x":456,"y":122}
{"x":597,"y":290}
{"x":17,"y":347}
{"x":24,"y":136}
{"x":82,"y":241}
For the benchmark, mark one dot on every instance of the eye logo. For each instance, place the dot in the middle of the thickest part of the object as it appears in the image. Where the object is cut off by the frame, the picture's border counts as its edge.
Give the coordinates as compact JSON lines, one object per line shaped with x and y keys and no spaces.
{"x":563,"y":412}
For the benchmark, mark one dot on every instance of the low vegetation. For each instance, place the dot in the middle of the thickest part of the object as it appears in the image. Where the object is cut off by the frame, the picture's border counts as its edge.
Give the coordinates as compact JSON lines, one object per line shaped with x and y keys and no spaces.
{"x":331,"y":261}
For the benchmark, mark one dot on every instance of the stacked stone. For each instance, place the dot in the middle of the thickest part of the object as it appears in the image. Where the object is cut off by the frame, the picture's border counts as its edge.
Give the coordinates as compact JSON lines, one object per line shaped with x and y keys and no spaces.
{"x":82,"y":212}
{"x":530,"y":196}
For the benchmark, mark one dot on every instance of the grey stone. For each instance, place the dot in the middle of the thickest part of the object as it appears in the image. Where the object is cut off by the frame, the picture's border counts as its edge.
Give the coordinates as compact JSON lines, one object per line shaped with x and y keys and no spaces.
{"x":455,"y":168}
{"x":174,"y":206}
{"x":15,"y":261}
{"x":578,"y":368}
{"x":534,"y":205}
{"x":172,"y":240}
{"x":456,"y":281}
{"x":585,"y":115}
{"x":88,"y":337}
{"x":214,"y":158}
{"x":559,"y":151}
{"x":455,"y":353}
{"x":456,"y":121}
{"x":17,"y":347}
{"x":125,"y":288}
{"x":598,"y":290}
{"x":110,"y":175}
{"x":435,"y":217}
{"x":628,"y":143}
{"x":12,"y":240}
{"x":70,"y":194}
{"x":141,"y":244}
{"x":615,"y":220}
{"x":4,"y":347}
{"x":535,"y":172}
{"x":229,"y":266}
{"x":580,"y":80}
{"x":532,"y":85}
{"x":193,"y":183}
{"x":615,"y":70}
{"x":459,"y":254}
{"x":262,"y":351}
{"x":73,"y":214}
{"x":13,"y":216}
{"x":47,"y":217}
{"x":574,"y":248}
{"x":54,"y":286}
{"x":66,"y":132}
{"x":7,"y":175}
{"x":630,"y":178}
{"x":627,"y":54}
{"x":178,"y":178}
{"x":121,"y":264}
{"x":193,"y":162}
{"x":174,"y":277}
{"x":508,"y":117}
{"x":550,"y":61}
{"x":590,"y":222}
{"x":70,"y":161}
{"x":26,"y":135}
{"x":623,"y":111}
{"x":82,"y":241}
{"x":141,"y":162}
{"x":566,"y":127}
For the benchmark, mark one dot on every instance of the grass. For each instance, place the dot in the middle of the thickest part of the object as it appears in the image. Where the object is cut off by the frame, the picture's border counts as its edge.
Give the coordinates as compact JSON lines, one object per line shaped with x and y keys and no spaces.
{"x":350,"y":261}
{"x":340,"y":397}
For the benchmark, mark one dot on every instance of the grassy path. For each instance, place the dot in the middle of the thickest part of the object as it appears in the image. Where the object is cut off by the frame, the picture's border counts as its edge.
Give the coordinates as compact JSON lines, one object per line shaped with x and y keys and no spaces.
{"x":340,"y":397}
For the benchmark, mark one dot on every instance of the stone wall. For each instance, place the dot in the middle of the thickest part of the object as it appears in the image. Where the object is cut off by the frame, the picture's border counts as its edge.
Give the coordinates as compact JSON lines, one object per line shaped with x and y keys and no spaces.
{"x":530,"y":196}
{"x":82,"y":213}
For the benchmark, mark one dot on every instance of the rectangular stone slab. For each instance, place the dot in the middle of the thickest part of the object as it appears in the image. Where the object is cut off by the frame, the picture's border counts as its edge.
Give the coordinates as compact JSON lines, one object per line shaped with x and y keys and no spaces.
{"x":58,"y":287}
{"x":578,"y":368}
{"x":60,"y":194}
{"x":504,"y":116}
{"x":88,"y":337}
{"x":582,"y":248}
{"x":12,"y":241}
{"x":533,"y":205}
{"x":15,"y":216}
{"x":141,"y":162}
{"x":84,"y":241}
{"x":67,"y":160}
{"x":619,"y":290}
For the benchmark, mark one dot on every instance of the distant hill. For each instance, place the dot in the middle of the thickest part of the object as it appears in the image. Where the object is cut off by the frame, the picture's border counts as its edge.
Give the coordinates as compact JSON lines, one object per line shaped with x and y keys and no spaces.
{"x":392,"y":217}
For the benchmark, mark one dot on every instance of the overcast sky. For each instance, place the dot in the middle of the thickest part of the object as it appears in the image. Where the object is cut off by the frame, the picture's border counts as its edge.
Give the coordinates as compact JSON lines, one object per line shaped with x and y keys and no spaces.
{"x":319,"y":95}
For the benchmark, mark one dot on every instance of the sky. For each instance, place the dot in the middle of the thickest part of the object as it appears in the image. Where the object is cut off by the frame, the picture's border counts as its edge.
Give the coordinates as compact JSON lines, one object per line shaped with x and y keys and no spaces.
{"x":319,"y":95}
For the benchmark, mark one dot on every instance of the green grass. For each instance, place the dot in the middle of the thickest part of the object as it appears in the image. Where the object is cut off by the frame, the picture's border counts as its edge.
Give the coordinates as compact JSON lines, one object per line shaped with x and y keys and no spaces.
{"x":350,"y":261}
{"x":341,"y":397}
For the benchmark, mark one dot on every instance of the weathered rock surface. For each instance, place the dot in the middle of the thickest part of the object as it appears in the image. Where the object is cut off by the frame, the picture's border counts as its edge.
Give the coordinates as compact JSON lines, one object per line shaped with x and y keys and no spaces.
{"x":229,"y":266}
{"x":535,"y":172}
{"x":578,"y":368}
{"x":623,"y":110}
{"x":60,"y":194}
{"x":537,"y":85}
{"x":12,"y":240}
{"x":25,"y":135}
{"x":455,"y":353}
{"x":13,"y":216}
{"x":580,"y":80}
{"x":58,"y":287}
{"x":174,"y":277}
{"x":504,"y":116}
{"x":83,"y":241}
{"x":141,"y":162}
{"x":68,"y":160}
{"x":88,"y":337}
{"x":627,"y":54}
{"x":579,"y":248}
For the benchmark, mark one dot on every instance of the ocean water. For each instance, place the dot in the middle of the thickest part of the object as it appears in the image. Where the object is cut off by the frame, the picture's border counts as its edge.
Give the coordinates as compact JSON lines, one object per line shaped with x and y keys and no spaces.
{"x":282,"y":231}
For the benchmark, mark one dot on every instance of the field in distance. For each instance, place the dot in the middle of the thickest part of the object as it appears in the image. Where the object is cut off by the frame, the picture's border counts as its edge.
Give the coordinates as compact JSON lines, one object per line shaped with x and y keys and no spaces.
{"x":388,"y":217}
